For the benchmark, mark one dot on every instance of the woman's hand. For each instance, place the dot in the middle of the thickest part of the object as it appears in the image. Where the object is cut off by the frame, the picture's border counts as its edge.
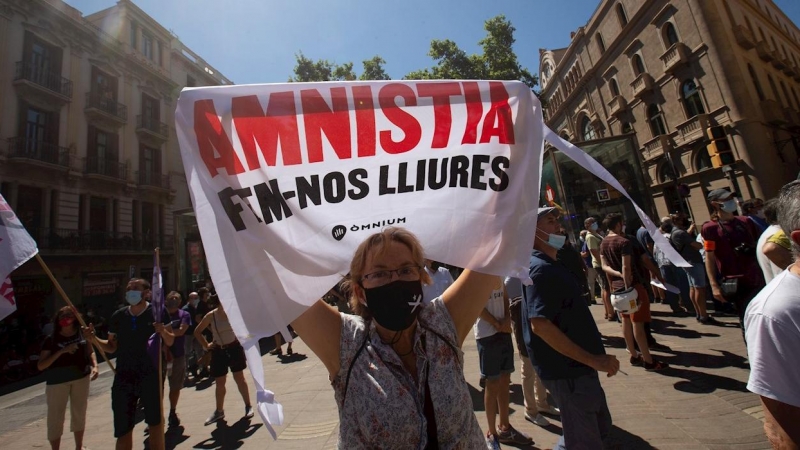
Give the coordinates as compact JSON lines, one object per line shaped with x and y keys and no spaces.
{"x":95,"y":373}
{"x":71,"y":348}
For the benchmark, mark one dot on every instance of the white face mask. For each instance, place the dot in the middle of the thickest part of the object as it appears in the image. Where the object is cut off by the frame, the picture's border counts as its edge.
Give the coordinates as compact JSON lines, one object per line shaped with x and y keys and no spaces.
{"x":728,"y":206}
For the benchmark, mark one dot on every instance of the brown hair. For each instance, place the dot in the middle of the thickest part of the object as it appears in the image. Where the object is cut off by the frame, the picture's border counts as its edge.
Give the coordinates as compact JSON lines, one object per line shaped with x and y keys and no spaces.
{"x":373,"y":246}
{"x":62,"y":312}
{"x":145,"y":284}
{"x":174,"y":294}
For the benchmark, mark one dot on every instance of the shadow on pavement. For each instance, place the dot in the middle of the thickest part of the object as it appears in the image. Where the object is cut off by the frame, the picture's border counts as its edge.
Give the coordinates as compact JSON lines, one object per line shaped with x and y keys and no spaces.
{"x":204,"y":384}
{"x":174,"y":436}
{"x":622,"y":439}
{"x":702,"y":383}
{"x":227,"y":436}
{"x":477,"y":398}
{"x":705,"y":360}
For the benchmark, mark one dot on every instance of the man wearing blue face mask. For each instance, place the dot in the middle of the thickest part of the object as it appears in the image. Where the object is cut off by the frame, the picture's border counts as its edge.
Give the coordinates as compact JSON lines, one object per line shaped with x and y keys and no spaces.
{"x":563,"y":341}
{"x":137,"y":377}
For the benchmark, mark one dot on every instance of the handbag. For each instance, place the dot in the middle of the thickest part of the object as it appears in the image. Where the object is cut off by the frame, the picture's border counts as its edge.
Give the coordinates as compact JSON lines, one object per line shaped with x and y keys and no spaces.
{"x":729,"y":286}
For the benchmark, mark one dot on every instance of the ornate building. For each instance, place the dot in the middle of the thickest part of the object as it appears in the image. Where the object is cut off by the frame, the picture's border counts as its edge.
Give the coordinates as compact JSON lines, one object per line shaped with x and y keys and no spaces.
{"x":88,"y":154}
{"x":675,"y":77}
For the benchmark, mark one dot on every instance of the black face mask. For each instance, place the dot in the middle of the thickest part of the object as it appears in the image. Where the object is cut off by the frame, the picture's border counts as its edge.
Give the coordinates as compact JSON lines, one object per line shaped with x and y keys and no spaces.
{"x":395,"y":306}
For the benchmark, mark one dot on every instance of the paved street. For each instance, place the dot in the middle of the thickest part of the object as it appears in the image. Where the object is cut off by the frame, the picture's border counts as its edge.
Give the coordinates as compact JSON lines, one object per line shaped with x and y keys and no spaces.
{"x":700,"y":403}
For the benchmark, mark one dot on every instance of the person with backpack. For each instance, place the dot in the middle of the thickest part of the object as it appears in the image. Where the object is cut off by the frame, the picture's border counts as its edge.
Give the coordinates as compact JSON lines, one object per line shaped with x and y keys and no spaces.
{"x":684,"y":241}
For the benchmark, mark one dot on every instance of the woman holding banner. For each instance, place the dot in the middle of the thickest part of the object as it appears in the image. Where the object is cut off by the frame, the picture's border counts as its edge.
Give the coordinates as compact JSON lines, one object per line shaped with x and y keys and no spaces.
{"x":69,"y":364}
{"x":397,"y":367}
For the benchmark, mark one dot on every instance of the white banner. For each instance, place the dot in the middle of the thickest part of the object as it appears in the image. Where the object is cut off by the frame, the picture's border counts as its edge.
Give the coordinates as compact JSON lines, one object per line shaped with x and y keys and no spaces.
{"x":16,"y":247}
{"x":288,"y":179}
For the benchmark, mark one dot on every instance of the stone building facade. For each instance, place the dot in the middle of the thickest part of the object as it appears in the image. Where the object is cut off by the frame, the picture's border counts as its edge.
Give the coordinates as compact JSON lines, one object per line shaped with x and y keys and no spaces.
{"x":88,"y":154}
{"x":663,"y":72}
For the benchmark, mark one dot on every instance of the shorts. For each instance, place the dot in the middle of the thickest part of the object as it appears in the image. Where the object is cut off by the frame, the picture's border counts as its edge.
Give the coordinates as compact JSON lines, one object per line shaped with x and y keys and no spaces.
{"x":496,"y":354}
{"x":601,"y":278}
{"x":696,"y":275}
{"x":129,"y":388}
{"x":178,"y":373}
{"x":643,"y":314}
{"x":231,"y":357}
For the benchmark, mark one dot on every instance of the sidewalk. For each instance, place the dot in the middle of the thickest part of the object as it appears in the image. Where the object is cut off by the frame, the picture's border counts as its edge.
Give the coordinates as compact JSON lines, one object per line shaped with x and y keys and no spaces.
{"x":699,"y":403}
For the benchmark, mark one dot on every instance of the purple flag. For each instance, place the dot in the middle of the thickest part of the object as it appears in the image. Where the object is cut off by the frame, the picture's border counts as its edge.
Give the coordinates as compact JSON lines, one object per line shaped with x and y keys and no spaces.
{"x":157,"y":300}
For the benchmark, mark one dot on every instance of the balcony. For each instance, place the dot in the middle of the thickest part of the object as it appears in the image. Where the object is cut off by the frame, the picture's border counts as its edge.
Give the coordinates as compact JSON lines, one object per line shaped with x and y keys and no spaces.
{"x":773,"y":112}
{"x":764,"y":52}
{"x":32,"y":80}
{"x":744,"y":37}
{"x":76,"y":241}
{"x":642,"y":84}
{"x":153,"y":180}
{"x":105,"y":110}
{"x":778,"y":62}
{"x":656,"y":147}
{"x":38,"y":152}
{"x":675,"y":56}
{"x":617,"y":105}
{"x":692,"y":130}
{"x":103,"y":167}
{"x":151,"y":129}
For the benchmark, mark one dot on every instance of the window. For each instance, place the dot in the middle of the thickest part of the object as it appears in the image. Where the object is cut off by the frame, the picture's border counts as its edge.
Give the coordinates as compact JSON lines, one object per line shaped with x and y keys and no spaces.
{"x":134,"y":35}
{"x":774,"y":88}
{"x":761,"y":32}
{"x":786,"y":93}
{"x":756,"y":83}
{"x":587,"y":130}
{"x":160,"y":54}
{"x":669,"y":35}
{"x":666,"y":173}
{"x":702,"y":160}
{"x":98,"y":215}
{"x":626,"y":128}
{"x":623,"y":18}
{"x":600,"y":44}
{"x":638,"y":65}
{"x":147,"y":46}
{"x":150,"y":112}
{"x":691,"y":99}
{"x":656,"y":119}
{"x":29,"y":208}
{"x":42,"y":63}
{"x":614,"y":87}
{"x":774,"y":45}
{"x":38,"y":130}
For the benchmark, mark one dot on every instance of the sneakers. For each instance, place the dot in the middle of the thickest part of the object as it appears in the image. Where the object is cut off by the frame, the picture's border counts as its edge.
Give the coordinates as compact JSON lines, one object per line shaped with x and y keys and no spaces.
{"x":637,"y":360}
{"x":248,"y":412}
{"x":173,"y":420}
{"x":512,"y":436}
{"x":289,"y":351}
{"x":707,"y":320}
{"x":655,"y":366}
{"x":549,"y":409}
{"x":492,"y":443}
{"x":217,"y":416}
{"x":276,"y":352}
{"x":539,"y":419}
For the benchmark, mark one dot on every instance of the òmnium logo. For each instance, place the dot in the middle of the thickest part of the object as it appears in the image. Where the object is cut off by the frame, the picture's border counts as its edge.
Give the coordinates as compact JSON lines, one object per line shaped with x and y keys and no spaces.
{"x":338,"y":232}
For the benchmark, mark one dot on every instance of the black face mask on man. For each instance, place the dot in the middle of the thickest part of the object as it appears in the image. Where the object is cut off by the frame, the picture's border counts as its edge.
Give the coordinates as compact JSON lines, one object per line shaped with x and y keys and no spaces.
{"x":395,"y":305}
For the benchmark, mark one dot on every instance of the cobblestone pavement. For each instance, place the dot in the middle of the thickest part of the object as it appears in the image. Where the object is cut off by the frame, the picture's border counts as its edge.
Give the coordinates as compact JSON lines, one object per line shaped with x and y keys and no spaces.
{"x":699,"y":403}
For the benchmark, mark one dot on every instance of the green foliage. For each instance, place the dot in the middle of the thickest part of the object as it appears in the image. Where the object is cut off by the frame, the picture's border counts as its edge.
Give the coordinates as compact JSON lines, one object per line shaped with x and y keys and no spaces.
{"x":498,"y":61}
{"x":323,"y":70}
{"x":373,"y":69}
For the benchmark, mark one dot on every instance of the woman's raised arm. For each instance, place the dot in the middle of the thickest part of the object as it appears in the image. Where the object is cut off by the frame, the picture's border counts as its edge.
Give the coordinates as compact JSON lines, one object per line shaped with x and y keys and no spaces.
{"x":321,"y":328}
{"x":466,"y":298}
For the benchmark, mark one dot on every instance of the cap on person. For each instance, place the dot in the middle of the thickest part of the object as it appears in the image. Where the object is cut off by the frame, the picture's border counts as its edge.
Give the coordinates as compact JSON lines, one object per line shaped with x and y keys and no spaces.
{"x":719,"y":194}
{"x":545,"y":211}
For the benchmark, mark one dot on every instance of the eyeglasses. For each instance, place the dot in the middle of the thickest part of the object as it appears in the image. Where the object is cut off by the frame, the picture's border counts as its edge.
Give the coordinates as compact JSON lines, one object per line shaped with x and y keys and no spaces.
{"x":381,"y":277}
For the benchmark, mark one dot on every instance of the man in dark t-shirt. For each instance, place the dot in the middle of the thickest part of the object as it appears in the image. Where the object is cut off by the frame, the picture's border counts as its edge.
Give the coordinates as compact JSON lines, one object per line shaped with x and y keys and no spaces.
{"x":563,"y":341}
{"x":137,"y":377}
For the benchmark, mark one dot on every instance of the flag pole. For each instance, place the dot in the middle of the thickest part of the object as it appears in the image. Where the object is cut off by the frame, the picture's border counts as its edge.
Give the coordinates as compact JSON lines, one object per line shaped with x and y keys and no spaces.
{"x":69,"y":303}
{"x":160,"y":346}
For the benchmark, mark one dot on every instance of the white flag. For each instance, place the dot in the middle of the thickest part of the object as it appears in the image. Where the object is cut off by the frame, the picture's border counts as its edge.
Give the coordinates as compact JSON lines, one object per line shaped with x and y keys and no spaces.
{"x":16,"y":247}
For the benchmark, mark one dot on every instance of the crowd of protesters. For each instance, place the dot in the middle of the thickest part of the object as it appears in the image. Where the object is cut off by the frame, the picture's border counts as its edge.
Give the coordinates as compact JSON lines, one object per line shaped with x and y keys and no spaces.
{"x":391,"y":333}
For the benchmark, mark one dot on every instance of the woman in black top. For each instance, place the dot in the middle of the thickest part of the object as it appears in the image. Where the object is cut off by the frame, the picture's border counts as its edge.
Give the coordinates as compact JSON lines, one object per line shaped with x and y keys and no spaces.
{"x":69,"y":364}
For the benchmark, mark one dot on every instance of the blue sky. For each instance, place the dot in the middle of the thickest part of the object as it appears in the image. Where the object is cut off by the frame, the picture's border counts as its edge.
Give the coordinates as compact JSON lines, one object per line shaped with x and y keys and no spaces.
{"x":254,"y":41}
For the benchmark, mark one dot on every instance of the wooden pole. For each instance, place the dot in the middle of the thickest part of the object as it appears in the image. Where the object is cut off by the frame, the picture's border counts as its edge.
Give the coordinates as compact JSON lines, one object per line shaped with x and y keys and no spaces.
{"x":160,"y":345}
{"x":69,"y":303}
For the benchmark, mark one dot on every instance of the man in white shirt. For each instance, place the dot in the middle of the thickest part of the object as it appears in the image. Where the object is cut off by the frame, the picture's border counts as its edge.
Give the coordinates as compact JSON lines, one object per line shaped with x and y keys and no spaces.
{"x":440,"y":280}
{"x":772,"y":331}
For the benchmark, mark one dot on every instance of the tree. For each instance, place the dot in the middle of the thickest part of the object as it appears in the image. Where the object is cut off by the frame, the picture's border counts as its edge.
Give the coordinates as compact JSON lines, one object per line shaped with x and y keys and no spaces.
{"x":498,"y":61}
{"x":323,"y":70}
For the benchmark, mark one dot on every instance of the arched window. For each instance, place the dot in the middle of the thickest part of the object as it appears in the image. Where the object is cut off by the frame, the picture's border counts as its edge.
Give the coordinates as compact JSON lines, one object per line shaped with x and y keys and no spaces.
{"x":614,"y":87}
{"x":626,"y":128}
{"x":656,"y":119}
{"x":691,"y":99}
{"x":587,"y":130}
{"x":623,"y":18}
{"x":756,"y":83}
{"x":638,"y":64}
{"x":786,"y":94}
{"x":564,"y":135}
{"x":669,"y":35}
{"x":600,"y":44}
{"x":702,"y":160}
{"x":666,"y":173}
